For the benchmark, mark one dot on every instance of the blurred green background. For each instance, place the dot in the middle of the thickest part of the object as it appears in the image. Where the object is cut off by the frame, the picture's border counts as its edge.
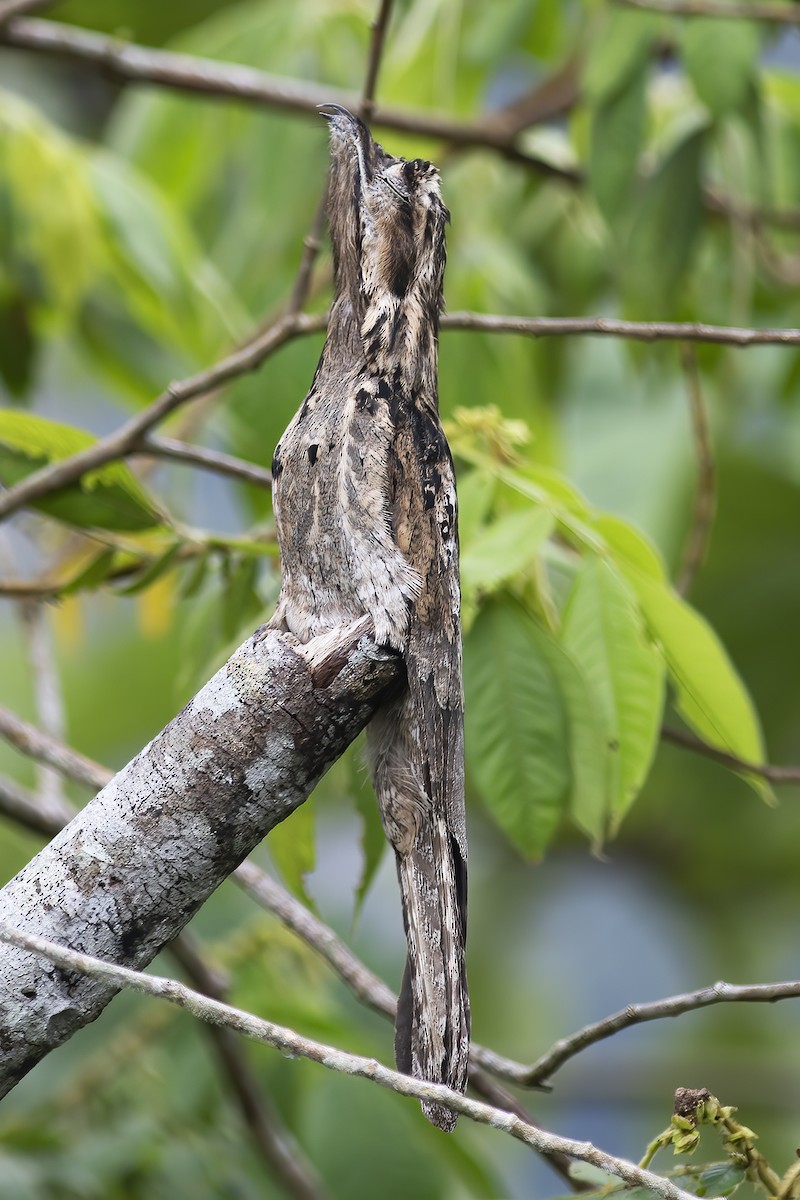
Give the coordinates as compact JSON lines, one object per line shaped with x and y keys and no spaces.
{"x":143,"y":233}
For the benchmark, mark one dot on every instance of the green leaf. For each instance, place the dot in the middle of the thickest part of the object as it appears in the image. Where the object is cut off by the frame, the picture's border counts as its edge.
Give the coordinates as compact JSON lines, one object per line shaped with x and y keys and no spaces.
{"x":475,"y":495}
{"x":516,"y":726}
{"x":665,"y":229}
{"x":721,"y":59}
{"x":17,"y":345}
{"x":92,"y":575}
{"x":109,"y":497}
{"x":195,"y":576}
{"x":500,"y":552}
{"x":153,"y":571}
{"x":711,"y":696}
{"x":292,"y":848}
{"x":590,"y":797}
{"x":629,"y":547}
{"x":719,"y":1179}
{"x":618,"y":130}
{"x":604,"y":632}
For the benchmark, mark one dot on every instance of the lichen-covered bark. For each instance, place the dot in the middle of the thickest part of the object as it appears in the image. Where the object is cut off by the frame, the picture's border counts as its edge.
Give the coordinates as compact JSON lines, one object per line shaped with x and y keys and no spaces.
{"x":125,"y":876}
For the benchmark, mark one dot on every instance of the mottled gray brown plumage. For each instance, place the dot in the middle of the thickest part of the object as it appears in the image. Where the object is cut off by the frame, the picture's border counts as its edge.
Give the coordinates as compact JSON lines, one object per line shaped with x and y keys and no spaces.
{"x":365,"y":505}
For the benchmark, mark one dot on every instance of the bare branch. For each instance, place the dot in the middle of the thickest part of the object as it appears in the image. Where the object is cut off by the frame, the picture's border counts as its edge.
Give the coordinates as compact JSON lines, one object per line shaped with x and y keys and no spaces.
{"x":705,"y":499}
{"x":765,"y":770}
{"x":209,"y":460}
{"x":635,"y":1014}
{"x":186,"y":72}
{"x":123,"y":440}
{"x":639,"y":331}
{"x":787,"y":14}
{"x":379,"y":28}
{"x":111,"y":976}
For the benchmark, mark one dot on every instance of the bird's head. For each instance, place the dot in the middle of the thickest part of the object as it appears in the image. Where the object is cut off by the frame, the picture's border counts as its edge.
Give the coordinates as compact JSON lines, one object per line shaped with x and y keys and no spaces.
{"x":387,"y":221}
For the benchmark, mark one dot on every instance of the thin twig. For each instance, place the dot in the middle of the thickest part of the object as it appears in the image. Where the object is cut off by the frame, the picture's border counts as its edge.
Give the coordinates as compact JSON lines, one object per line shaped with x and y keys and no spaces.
{"x":47,"y":691}
{"x":120,"y":443}
{"x":787,"y":14}
{"x":209,"y":460}
{"x":379,"y":28}
{"x":688,"y":741}
{"x":562,"y":1051}
{"x":32,"y":811}
{"x":43,"y":747}
{"x":705,"y":498}
{"x":291,"y":1043}
{"x":640,"y":331}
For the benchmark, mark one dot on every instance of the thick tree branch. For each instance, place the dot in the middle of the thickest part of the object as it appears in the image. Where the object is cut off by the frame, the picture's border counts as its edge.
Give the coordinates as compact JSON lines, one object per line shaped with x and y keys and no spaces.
{"x":111,"y":977}
{"x":787,"y":14}
{"x":133,"y":867}
{"x":271,"y":1139}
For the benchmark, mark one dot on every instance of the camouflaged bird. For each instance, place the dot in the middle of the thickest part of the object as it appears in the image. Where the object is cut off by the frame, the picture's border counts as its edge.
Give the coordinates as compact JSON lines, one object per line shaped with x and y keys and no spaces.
{"x":365,"y":505}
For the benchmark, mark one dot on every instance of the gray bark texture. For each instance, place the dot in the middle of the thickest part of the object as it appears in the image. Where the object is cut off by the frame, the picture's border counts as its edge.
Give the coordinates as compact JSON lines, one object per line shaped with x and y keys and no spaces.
{"x":127,"y":874}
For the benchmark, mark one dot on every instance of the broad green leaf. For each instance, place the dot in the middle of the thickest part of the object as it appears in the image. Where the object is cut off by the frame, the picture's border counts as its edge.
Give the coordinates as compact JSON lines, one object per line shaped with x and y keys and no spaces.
{"x":109,"y":497}
{"x":629,"y":547}
{"x":500,"y":552}
{"x":719,"y":1179}
{"x":292,"y":848}
{"x":516,"y":726}
{"x":721,"y":59}
{"x":604,"y":632}
{"x":711,"y":696}
{"x":665,"y":229}
{"x":590,"y":795}
{"x":618,"y":129}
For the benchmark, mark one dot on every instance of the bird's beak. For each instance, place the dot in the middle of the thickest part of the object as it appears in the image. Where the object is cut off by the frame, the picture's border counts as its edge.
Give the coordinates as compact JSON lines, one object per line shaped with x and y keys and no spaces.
{"x":352,"y":130}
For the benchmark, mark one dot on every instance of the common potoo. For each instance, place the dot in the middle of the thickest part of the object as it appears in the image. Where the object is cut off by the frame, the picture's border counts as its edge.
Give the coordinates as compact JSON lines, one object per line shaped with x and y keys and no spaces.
{"x":365,"y":505}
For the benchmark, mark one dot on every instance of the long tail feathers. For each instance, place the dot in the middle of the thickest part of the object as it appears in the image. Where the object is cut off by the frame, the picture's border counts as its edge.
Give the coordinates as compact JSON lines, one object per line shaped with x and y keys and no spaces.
{"x":432,"y":1030}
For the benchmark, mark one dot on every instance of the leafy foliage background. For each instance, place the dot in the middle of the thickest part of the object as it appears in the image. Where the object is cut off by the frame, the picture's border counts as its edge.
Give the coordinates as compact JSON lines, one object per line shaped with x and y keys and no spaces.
{"x":142,"y":234}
